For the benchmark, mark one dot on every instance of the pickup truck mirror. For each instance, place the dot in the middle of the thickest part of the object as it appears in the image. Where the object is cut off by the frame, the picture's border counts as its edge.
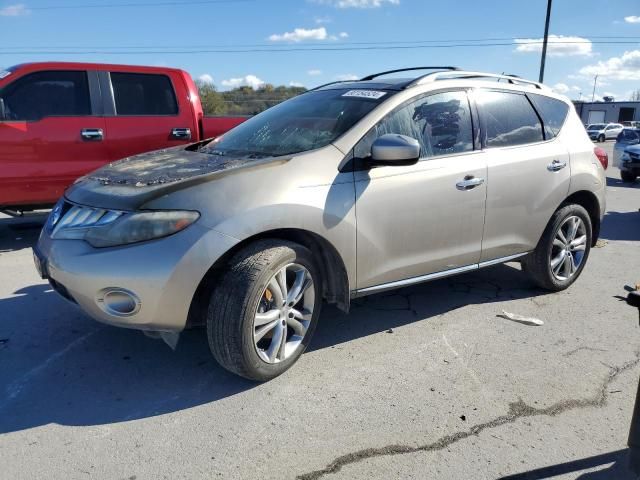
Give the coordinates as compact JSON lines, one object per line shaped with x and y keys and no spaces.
{"x":394,"y":150}
{"x":3,"y":113}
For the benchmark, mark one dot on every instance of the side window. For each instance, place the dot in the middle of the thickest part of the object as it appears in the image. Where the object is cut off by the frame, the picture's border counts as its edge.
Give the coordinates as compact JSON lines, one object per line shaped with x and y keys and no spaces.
{"x":440,"y":122}
{"x":553,"y":113}
{"x":143,"y":94}
{"x":47,"y":94}
{"x":509,"y":119}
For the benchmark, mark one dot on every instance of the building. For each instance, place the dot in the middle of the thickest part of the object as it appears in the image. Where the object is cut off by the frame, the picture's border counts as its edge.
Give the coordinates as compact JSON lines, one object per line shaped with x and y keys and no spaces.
{"x":608,"y":112}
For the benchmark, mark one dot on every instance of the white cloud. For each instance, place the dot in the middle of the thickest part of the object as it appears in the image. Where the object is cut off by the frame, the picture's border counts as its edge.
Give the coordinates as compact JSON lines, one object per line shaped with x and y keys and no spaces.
{"x":632,"y":19}
{"x":626,"y":67}
{"x":314,"y":72}
{"x":558,"y":46}
{"x":300,"y":34}
{"x":296,"y":84}
{"x":323,"y":20}
{"x":564,"y":89}
{"x":246,"y":81}
{"x":16,"y":10}
{"x":357,"y":3}
{"x":347,"y":76}
{"x":205,"y":78}
{"x":343,"y":35}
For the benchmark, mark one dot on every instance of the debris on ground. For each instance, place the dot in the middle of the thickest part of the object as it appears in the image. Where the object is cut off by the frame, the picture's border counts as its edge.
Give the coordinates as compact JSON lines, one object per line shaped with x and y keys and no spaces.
{"x":463,"y":418}
{"x":390,"y":330}
{"x":535,"y":322}
{"x":600,"y":243}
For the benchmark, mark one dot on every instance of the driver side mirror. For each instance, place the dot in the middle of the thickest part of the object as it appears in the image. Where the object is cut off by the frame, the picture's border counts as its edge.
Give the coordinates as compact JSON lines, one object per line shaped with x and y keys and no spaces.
{"x":394,"y":149}
{"x":3,"y":112}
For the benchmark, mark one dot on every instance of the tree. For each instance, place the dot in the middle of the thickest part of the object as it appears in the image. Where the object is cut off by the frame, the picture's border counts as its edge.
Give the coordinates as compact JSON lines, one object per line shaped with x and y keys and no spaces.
{"x":635,"y":96}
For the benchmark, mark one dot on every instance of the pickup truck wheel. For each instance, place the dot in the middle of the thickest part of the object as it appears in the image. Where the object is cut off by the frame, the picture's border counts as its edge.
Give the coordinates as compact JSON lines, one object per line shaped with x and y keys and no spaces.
{"x":563,"y":250}
{"x":628,"y":176}
{"x":264,"y":311}
{"x":601,"y":138}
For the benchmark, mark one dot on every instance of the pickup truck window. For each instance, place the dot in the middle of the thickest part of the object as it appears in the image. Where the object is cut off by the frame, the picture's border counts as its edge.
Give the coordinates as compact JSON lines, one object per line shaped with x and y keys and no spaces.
{"x":47,"y":94}
{"x":143,"y":94}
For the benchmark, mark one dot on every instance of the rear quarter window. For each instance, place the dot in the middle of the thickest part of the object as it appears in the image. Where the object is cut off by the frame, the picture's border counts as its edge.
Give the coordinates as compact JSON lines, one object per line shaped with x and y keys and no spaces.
{"x":553,"y":112}
{"x":143,"y":94}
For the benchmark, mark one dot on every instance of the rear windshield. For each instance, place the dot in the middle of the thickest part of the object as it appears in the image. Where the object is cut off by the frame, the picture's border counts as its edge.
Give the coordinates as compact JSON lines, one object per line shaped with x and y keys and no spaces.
{"x":309,"y":121}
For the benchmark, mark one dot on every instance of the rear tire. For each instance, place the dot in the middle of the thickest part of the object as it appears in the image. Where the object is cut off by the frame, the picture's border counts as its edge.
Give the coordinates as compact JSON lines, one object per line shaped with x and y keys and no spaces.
{"x":561,"y":253}
{"x":246,"y":298}
{"x":628,"y":176}
{"x":601,"y":138}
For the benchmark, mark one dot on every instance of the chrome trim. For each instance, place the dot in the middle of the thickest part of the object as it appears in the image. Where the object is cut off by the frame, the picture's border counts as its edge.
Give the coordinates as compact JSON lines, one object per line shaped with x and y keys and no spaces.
{"x":434,"y":276}
{"x":497,"y":261}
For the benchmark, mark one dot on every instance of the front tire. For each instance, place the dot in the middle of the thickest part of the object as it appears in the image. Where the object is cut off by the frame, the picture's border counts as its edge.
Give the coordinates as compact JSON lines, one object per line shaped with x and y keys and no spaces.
{"x":563,"y":249}
{"x":264,"y":310}
{"x":628,"y":176}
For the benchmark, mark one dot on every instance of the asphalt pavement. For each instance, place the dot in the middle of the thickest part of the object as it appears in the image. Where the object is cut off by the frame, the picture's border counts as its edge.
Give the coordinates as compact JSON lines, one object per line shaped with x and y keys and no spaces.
{"x":427,"y":382}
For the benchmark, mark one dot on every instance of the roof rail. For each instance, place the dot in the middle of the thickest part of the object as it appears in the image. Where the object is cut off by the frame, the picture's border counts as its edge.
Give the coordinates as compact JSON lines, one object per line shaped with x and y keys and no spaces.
{"x":331,"y":83}
{"x":460,"y":74}
{"x":375,"y":75}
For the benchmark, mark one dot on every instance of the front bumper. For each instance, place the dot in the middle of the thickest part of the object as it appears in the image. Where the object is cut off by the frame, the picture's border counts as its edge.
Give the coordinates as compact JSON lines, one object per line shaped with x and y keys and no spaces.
{"x":161,"y":276}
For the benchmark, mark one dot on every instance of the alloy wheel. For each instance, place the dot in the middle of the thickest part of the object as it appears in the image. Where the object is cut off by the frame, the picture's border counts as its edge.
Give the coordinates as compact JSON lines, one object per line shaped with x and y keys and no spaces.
{"x":284,"y":313}
{"x":568,"y":249}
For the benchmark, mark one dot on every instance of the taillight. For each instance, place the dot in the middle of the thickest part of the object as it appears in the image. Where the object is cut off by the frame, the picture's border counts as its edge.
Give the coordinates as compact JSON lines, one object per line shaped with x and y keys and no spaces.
{"x":602,"y":156}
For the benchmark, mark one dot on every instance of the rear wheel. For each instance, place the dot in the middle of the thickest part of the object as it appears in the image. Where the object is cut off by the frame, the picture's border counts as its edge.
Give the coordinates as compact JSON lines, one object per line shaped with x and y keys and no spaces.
{"x":264,"y":311}
{"x":601,"y":138}
{"x":563,"y":250}
{"x":628,"y":176}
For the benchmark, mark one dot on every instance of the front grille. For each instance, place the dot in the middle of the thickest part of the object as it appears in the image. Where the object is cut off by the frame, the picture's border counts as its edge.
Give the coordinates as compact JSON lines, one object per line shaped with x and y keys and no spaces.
{"x":73,"y":216}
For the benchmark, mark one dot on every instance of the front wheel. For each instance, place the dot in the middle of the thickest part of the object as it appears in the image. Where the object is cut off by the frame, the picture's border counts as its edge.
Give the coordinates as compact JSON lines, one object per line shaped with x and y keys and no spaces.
{"x":628,"y":176}
{"x":264,"y":311}
{"x":563,"y":250}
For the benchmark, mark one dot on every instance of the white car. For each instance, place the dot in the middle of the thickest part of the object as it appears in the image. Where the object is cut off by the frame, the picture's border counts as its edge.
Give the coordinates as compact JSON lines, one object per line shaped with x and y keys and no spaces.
{"x":604,"y":131}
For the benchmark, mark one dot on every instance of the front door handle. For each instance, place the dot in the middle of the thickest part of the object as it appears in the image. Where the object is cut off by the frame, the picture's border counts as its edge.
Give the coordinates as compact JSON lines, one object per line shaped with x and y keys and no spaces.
{"x":556,"y":165}
{"x":181,"y":133}
{"x":469,"y":182}
{"x":92,"y":134}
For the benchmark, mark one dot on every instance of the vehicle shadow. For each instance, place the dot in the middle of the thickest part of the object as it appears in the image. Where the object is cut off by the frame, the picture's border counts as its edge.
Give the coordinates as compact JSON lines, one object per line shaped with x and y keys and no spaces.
{"x":618,"y":470}
{"x":617,"y":182}
{"x":621,"y":226}
{"x":20,"y":233}
{"x":58,"y":366}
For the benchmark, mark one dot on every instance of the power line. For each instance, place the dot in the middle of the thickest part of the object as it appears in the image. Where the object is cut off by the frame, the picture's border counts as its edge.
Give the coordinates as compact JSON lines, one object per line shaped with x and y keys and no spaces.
{"x":632,"y":39}
{"x":298,"y":49}
{"x":137,"y":4}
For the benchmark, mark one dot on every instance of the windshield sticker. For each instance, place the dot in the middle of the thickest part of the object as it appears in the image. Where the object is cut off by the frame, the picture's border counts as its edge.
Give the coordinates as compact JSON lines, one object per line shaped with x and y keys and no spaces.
{"x":4,"y":73}
{"x":373,"y":94}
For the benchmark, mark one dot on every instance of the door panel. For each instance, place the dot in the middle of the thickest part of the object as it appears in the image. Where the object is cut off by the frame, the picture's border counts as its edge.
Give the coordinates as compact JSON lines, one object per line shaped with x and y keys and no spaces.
{"x":147,"y":108}
{"x":414,"y":221}
{"x":522,"y":195}
{"x":43,"y":151}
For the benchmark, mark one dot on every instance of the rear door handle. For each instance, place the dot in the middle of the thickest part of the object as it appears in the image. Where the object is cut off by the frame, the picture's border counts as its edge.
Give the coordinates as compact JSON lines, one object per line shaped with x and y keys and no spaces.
{"x":469,"y":182}
{"x":556,"y":165}
{"x":92,"y":134}
{"x":181,"y":133}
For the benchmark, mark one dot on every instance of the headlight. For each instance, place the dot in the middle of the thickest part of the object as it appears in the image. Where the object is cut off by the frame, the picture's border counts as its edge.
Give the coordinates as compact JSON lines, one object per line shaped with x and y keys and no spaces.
{"x":140,"y":226}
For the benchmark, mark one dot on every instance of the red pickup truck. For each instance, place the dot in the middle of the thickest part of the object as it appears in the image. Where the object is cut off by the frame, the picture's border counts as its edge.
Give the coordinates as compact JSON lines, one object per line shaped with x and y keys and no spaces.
{"x":59,"y":121}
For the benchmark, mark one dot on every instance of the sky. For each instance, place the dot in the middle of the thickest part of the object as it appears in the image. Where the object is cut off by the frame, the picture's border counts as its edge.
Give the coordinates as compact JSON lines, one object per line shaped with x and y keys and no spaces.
{"x":310,"y":42}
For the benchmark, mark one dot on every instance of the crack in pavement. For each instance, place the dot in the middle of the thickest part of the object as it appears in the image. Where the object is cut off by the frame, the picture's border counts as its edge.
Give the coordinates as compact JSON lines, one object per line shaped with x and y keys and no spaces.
{"x":516,"y":411}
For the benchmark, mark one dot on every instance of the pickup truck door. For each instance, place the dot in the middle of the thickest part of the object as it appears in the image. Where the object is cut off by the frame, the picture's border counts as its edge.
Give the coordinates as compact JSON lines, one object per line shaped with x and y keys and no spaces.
{"x":145,"y":112}
{"x":51,"y":135}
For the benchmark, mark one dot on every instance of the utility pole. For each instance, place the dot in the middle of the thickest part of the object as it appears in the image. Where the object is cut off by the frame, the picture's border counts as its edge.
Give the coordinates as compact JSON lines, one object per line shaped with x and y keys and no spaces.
{"x":544,"y":42}
{"x":593,"y":95}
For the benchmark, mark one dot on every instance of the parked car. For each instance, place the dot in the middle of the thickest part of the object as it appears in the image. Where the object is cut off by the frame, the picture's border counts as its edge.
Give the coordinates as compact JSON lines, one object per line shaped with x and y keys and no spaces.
{"x":630,"y":163}
{"x":347,"y":190}
{"x":601,"y":131}
{"x":59,"y":121}
{"x":626,"y":138}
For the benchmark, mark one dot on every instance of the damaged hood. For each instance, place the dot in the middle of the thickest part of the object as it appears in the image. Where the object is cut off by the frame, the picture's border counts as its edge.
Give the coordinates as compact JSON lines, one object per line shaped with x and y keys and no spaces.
{"x":133,"y":181}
